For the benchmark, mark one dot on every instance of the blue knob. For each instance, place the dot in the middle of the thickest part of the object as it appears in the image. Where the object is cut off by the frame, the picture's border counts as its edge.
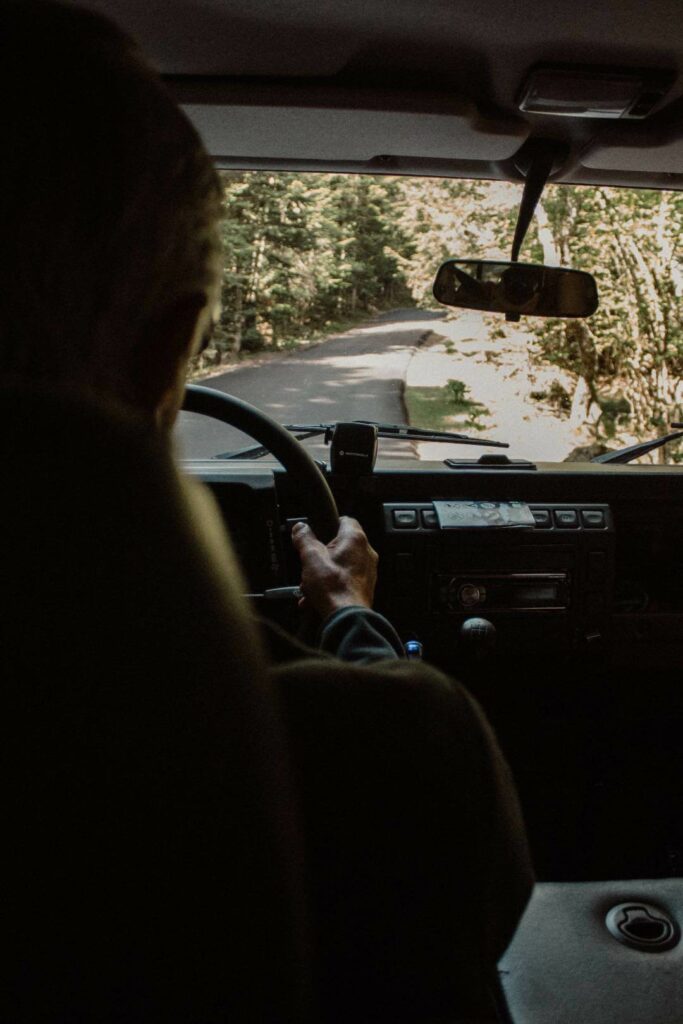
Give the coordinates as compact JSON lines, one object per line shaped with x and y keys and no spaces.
{"x":413,"y":649}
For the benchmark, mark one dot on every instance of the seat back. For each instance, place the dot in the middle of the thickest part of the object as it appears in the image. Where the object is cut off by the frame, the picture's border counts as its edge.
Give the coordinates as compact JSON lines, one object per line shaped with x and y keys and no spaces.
{"x":150,"y":851}
{"x":565,"y":965}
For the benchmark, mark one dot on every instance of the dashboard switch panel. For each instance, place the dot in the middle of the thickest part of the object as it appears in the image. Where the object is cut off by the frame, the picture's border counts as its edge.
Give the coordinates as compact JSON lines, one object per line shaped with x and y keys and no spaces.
{"x":422,"y":517}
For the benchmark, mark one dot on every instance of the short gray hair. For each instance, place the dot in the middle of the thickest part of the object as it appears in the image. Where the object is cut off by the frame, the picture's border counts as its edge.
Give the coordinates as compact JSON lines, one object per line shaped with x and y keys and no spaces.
{"x":110,"y":204}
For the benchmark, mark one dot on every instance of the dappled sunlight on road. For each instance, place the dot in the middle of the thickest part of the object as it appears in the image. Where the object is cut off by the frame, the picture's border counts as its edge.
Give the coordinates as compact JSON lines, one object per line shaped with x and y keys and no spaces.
{"x":381,"y":365}
{"x":356,"y":375}
{"x":396,"y":328}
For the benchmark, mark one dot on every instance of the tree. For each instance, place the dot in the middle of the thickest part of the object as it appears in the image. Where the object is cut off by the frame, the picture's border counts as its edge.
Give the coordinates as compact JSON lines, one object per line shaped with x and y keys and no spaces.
{"x":265,"y":229}
{"x":632,"y":348}
{"x":448,"y":218}
{"x":300,"y":252}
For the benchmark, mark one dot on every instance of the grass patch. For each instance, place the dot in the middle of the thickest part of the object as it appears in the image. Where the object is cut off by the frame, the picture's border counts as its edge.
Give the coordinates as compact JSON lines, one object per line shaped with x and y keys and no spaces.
{"x":448,"y":407}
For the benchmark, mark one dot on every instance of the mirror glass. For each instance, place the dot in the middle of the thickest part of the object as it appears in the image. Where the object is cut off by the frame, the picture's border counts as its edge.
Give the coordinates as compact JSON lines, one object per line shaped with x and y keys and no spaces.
{"x":519,"y":288}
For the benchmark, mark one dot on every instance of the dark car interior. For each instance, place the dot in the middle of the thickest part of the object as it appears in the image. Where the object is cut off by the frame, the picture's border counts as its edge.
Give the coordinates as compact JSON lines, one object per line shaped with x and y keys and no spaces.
{"x":577,"y":664}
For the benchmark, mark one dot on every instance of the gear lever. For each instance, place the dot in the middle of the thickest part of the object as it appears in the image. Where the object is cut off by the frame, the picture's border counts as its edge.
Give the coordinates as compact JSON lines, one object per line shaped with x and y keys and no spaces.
{"x":477,"y":638}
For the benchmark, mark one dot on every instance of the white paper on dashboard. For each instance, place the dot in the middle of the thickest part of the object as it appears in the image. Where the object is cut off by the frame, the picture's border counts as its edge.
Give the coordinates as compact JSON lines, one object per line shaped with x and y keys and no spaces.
{"x":475,"y":515}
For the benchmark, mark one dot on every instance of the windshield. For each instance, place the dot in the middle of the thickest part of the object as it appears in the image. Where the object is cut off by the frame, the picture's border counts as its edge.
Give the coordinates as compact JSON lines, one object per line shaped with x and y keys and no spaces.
{"x":327,"y":314}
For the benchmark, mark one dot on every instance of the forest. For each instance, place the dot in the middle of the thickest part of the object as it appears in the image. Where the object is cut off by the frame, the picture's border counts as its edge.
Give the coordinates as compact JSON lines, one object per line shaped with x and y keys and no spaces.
{"x":305,"y":255}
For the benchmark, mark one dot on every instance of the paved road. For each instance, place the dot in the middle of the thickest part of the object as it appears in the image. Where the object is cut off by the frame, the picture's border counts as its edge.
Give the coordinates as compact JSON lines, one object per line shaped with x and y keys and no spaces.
{"x":357,"y":375}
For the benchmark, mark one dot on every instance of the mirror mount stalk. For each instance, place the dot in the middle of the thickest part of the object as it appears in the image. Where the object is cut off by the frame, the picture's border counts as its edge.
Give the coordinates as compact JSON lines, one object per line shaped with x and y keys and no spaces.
{"x":536,"y":161}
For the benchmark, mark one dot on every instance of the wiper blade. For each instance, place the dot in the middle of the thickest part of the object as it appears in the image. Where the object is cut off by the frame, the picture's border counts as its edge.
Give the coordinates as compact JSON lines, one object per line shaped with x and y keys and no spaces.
{"x":402,"y":430}
{"x":624,"y":455}
{"x":397,"y":431}
{"x":258,"y":451}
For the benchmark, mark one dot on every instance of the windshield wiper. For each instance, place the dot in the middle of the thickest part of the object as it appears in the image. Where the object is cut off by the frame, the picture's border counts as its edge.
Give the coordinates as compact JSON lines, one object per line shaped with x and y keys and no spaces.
{"x":397,"y":431}
{"x":636,"y":450}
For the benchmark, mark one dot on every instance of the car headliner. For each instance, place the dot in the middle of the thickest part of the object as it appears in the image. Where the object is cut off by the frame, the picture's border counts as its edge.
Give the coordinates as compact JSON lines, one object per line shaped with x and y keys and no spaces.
{"x":411,"y":86}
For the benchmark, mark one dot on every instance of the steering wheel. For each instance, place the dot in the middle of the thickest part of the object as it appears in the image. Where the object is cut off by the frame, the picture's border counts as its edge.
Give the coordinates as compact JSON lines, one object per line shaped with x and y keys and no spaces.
{"x":322,"y":508}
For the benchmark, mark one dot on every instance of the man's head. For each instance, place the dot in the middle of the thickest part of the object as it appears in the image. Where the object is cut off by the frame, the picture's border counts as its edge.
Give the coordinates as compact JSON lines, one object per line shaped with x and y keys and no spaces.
{"x":109,"y":210}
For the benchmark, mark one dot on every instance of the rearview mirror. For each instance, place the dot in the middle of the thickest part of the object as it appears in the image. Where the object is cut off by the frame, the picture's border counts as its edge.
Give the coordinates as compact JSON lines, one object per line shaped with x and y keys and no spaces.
{"x":516,"y":288}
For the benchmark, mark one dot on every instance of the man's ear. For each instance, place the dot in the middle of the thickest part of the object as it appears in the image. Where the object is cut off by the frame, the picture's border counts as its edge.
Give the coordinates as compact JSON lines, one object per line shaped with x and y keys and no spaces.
{"x":159,"y":365}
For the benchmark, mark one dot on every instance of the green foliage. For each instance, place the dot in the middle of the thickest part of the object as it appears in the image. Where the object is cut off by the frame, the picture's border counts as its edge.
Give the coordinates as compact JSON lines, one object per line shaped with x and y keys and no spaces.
{"x":303,"y":253}
{"x":463,"y":405}
{"x":458,"y":391}
{"x":631,"y":240}
{"x":615,"y":412}
{"x":556,"y":396}
{"x":559,"y":397}
{"x":451,"y":218}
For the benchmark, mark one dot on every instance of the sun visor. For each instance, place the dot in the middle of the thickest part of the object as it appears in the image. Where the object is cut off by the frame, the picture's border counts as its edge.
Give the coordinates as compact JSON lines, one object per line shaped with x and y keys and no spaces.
{"x":350,"y":128}
{"x":635,"y":151}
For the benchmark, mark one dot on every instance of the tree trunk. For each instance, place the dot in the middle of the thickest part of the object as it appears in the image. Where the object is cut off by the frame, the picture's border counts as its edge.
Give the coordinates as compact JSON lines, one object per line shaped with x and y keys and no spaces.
{"x":551,"y":253}
{"x":238,"y":319}
{"x":580,"y":404}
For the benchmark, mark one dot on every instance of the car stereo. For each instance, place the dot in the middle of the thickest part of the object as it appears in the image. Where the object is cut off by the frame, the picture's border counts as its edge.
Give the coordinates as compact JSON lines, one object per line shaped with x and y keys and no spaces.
{"x":542,"y":574}
{"x":503,"y":592}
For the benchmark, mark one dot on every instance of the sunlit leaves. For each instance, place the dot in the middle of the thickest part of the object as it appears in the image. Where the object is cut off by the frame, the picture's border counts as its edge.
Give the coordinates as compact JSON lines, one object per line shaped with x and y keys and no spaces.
{"x":631,"y":240}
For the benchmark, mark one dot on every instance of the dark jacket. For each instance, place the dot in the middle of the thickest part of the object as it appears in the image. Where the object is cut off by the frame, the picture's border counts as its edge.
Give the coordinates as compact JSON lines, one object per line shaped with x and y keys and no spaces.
{"x":417,"y":852}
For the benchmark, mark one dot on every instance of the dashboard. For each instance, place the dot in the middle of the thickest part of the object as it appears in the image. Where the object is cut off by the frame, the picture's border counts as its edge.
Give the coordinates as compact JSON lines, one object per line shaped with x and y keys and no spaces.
{"x":577,"y":663}
{"x":597,"y":575}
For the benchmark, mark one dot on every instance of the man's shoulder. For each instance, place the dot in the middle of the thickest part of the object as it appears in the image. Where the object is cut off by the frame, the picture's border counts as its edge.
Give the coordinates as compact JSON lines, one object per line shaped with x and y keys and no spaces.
{"x":313,"y":685}
{"x":330,"y":683}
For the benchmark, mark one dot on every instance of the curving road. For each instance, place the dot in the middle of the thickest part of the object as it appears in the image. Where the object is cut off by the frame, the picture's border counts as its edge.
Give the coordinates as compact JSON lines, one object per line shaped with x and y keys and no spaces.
{"x":356,"y":375}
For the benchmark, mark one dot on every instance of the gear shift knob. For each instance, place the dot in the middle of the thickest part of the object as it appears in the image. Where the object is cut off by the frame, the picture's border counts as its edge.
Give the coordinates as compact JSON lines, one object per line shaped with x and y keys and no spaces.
{"x":477,"y":637}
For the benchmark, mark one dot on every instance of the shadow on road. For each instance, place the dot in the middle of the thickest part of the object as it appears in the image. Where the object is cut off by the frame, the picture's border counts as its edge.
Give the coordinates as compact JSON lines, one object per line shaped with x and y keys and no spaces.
{"x":403,"y":315}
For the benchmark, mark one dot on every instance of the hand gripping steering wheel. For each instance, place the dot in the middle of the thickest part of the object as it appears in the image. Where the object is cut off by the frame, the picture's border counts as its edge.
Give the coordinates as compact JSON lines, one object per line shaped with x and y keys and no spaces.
{"x":322,"y":508}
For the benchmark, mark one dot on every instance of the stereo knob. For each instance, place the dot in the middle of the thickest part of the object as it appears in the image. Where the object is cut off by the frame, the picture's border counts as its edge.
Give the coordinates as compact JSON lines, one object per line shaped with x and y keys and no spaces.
{"x":470,"y":595}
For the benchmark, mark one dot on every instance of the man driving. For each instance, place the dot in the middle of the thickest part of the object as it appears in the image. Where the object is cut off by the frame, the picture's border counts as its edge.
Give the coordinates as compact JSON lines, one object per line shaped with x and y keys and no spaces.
{"x":417,"y":868}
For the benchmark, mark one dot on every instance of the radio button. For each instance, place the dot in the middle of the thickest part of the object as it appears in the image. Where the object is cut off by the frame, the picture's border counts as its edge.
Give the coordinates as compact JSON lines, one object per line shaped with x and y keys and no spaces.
{"x":470,"y":595}
{"x":567,"y":518}
{"x":541,"y":517}
{"x":594,"y":519}
{"x":405,"y":518}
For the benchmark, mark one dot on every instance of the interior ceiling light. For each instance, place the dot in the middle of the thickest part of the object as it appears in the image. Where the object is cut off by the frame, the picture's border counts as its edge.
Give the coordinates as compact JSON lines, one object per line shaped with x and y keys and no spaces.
{"x":567,"y":92}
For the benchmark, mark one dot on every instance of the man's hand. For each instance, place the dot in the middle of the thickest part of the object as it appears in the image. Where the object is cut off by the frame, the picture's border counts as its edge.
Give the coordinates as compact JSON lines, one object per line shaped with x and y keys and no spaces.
{"x":337,"y":575}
